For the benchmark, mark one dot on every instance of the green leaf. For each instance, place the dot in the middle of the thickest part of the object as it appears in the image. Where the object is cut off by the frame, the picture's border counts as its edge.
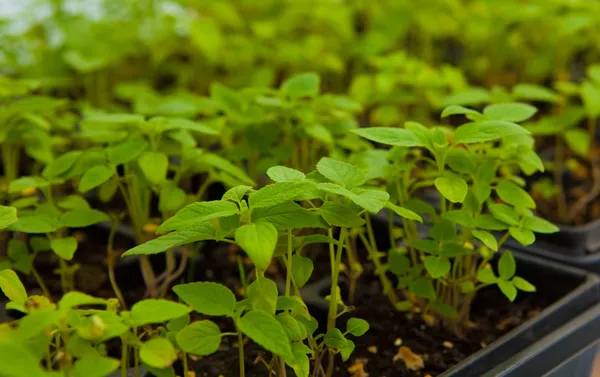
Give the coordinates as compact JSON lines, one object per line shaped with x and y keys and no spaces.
{"x":64,"y":247}
{"x":346,"y":352}
{"x":404,"y":212}
{"x":504,"y":213}
{"x":23,"y":183}
{"x":19,"y":255}
{"x":94,"y":177}
{"x":512,"y":194}
{"x":357,"y":326}
{"x":226,"y":166}
{"x":262,"y":294}
{"x":487,"y":238}
{"x":467,"y":287}
{"x":158,"y":353}
{"x":437,"y":266}
{"x":511,"y":112}
{"x":154,"y":165}
{"x":207,"y":298}
{"x":489,"y":130}
{"x":278,"y":193}
{"x":158,"y":245}
{"x":288,"y":216}
{"x":590,"y":94}
{"x":127,"y":151}
{"x":320,"y":133}
{"x":156,"y":311}
{"x":12,"y":287}
{"x":35,"y":224}
{"x":578,"y":141}
{"x":535,"y":93}
{"x":341,"y":172}
{"x":452,"y":188}
{"x":422,"y":288}
{"x":452,"y":250}
{"x":460,"y":217}
{"x":74,"y":202}
{"x":200,"y":338}
{"x":391,"y":136}
{"x":467,"y":97}
{"x":460,"y":160}
{"x":507,"y":265}
{"x":177,"y":324}
{"x":264,"y":330}
{"x":525,"y":236}
{"x":294,"y":330}
{"x":443,"y":309}
{"x":94,"y":366}
{"x":171,"y":198}
{"x":18,"y":361}
{"x":8,"y":216}
{"x":523,"y":284}
{"x":455,"y":109}
{"x":539,"y":225}
{"x":398,"y":262}
{"x":81,"y":218}
{"x":487,"y":276}
{"x":302,"y":269}
{"x":371,"y":200}
{"x":301,"y":86}
{"x":236,"y":194}
{"x":489,"y":222}
{"x":258,"y":240}
{"x":335,"y":339}
{"x":508,"y":289}
{"x":342,"y":215}
{"x":301,"y":365}
{"x":192,"y":215}
{"x":61,"y":165}
{"x":22,"y":203}
{"x":284,"y":174}
{"x":190,"y":125}
{"x":73,"y":299}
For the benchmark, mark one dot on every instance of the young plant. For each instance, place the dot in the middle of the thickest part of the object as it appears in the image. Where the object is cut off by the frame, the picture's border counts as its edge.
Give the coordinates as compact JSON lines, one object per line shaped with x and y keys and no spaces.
{"x":443,"y":268}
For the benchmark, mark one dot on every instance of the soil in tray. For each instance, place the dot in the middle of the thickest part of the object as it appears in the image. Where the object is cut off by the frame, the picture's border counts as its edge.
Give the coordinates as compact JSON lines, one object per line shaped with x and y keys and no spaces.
{"x":492,"y":316}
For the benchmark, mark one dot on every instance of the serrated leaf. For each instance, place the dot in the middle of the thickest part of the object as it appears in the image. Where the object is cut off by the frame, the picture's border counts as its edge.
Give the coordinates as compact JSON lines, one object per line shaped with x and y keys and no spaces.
{"x":452,"y":188}
{"x":158,"y":353}
{"x":64,"y":247}
{"x":284,"y":174}
{"x":200,"y":338}
{"x":94,"y":177}
{"x":207,"y":298}
{"x":154,"y":165}
{"x":262,"y":295}
{"x":292,"y":328}
{"x":264,"y":329}
{"x":195,"y":214}
{"x":237,"y":193}
{"x":341,"y":172}
{"x":258,"y":240}
{"x":391,"y":136}
{"x":511,"y":112}
{"x":342,"y":215}
{"x":156,"y":311}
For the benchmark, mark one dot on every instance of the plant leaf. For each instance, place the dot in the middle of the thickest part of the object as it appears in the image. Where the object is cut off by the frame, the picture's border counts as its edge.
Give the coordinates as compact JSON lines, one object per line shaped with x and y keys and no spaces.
{"x":200,"y":338}
{"x":489,"y":130}
{"x":578,"y":141}
{"x":64,"y":247}
{"x":12,"y":287}
{"x":391,"y":136}
{"x":357,"y":326}
{"x":514,"y":195}
{"x":127,"y":151}
{"x":335,"y":339}
{"x":487,"y":276}
{"x":154,"y":165}
{"x":509,"y":290}
{"x":192,"y":215}
{"x":452,"y":188}
{"x":158,"y":353}
{"x":61,"y":165}
{"x":539,"y":225}
{"x":8,"y":216}
{"x":207,"y":298}
{"x":487,"y":238}
{"x":94,"y":366}
{"x":264,"y":329}
{"x":523,"y":284}
{"x":284,"y":174}
{"x":342,"y":215}
{"x":507,"y":266}
{"x":301,"y":86}
{"x":258,"y":240}
{"x":174,"y":239}
{"x":302,"y":269}
{"x":156,"y":311}
{"x":262,"y":295}
{"x":288,"y":216}
{"x":341,"y":172}
{"x":511,"y":112}
{"x":94,"y":177}
{"x":525,"y":236}
{"x":404,"y":212}
{"x":81,"y":218}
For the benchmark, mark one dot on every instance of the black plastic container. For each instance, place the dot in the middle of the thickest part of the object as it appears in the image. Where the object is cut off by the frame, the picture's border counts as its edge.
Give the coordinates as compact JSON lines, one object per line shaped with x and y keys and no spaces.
{"x":580,"y":240}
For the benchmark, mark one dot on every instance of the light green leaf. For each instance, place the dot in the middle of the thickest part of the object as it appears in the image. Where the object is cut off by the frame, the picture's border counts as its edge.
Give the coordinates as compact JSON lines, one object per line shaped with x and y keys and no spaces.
{"x":23,"y":183}
{"x":74,"y":202}
{"x":335,"y":339}
{"x":81,"y":218}
{"x":262,"y":295}
{"x":489,"y":130}
{"x":590,"y":94}
{"x":191,"y":216}
{"x":292,"y":328}
{"x":207,"y":298}
{"x":504,"y":213}
{"x":511,"y":112}
{"x":525,"y":236}
{"x":258,"y":240}
{"x":94,"y":177}
{"x":460,"y":160}
{"x":73,"y":299}
{"x":539,"y":225}
{"x":177,"y":324}
{"x":437,"y":266}
{"x":288,"y":216}
{"x":156,"y":311}
{"x":507,"y":265}
{"x":341,"y":172}
{"x":35,"y":224}
{"x":12,"y":287}
{"x":403,"y":212}
{"x":391,"y":136}
{"x":64,"y":247}
{"x":455,"y":109}
{"x":422,"y":288}
{"x":302,"y":269}
{"x":342,"y":215}
{"x":301,"y":365}
{"x":452,"y":188}
{"x":200,"y":338}
{"x":284,"y":174}
{"x":467,"y":97}
{"x":508,"y":289}
{"x":512,"y":194}
{"x":18,"y":361}
{"x":237,"y":193}
{"x":94,"y":366}
{"x":264,"y":329}
{"x":158,"y":353}
{"x":154,"y":165}
{"x":487,"y":276}
{"x":535,"y":93}
{"x":301,"y":85}
{"x":8,"y":216}
{"x":60,"y":165}
{"x":487,"y":238}
{"x":174,"y":239}
{"x":523,"y":284}
{"x":127,"y":151}
{"x":19,"y":255}
{"x":171,"y":198}
{"x":346,"y":352}
{"x":578,"y":141}
{"x":278,"y":193}
{"x":190,"y":125}
{"x":320,"y":133}
{"x":357,"y":326}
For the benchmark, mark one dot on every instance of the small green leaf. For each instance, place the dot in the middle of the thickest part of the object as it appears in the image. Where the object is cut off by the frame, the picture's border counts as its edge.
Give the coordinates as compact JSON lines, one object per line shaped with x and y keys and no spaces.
{"x":461,"y":161}
{"x":507,"y":266}
{"x":535,"y":93}
{"x":294,"y":330}
{"x":158,"y":245}
{"x":422,"y":288}
{"x":539,"y":225}
{"x":302,"y":269}
{"x":452,"y":188}
{"x":487,"y":276}
{"x":335,"y":339}
{"x":398,"y":262}
{"x":262,"y":294}
{"x":485,"y":131}
{"x":455,"y":109}
{"x":18,"y":361}
{"x":264,"y":329}
{"x":195,"y":214}
{"x":504,"y":213}
{"x":301,"y":364}
{"x":508,"y":289}
{"x":178,"y":323}
{"x":489,"y":222}
{"x":154,"y":165}
{"x":467,"y":97}
{"x":74,"y":202}
{"x":158,"y":353}
{"x":525,"y":236}
{"x":258,"y":240}
{"x":236,"y":194}
{"x":171,"y":198}
{"x":288,"y":216}
{"x":126,"y":152}
{"x":200,"y":338}
{"x":578,"y":141}
{"x":512,"y":194}
{"x":301,"y":86}
{"x":460,"y":217}
{"x":341,"y":172}
{"x":338,"y":214}
{"x":60,"y":165}
{"x":12,"y":287}
{"x":156,"y":311}
{"x":512,"y":112}
{"x":64,"y":247}
{"x":35,"y":224}
{"x":590,"y":94}
{"x":487,"y":238}
{"x":346,"y":351}
{"x":277,"y":193}
{"x":207,"y":298}
{"x":94,"y":366}
{"x":94,"y":177}
{"x":357,"y":326}
{"x":19,"y":255}
{"x":523,"y":284}
{"x":81,"y":218}
{"x":437,"y":266}
{"x":467,"y":287}
{"x":73,"y":299}
{"x":285,"y":174}
{"x":23,"y":183}
{"x":404,"y":212}
{"x":391,"y":136}
{"x":8,"y":216}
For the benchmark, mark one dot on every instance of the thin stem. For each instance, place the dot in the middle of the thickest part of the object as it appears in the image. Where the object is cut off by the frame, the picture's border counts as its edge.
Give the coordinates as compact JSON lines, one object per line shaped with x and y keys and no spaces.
{"x":124,"y":355}
{"x":288,"y":277}
{"x":185,"y":365}
{"x":333,"y":298}
{"x":241,"y":354}
{"x":110,"y":257}
{"x":559,"y":158}
{"x":40,"y":282}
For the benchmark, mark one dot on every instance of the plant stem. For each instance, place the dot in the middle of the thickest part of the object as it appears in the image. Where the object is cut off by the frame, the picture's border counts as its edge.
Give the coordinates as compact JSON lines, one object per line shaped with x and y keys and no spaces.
{"x":241,"y":353}
{"x":288,"y":277}
{"x":124,"y":355}
{"x":333,"y":298}
{"x":40,"y":282}
{"x":559,"y":157}
{"x":185,"y":365}
{"x":111,"y":264}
